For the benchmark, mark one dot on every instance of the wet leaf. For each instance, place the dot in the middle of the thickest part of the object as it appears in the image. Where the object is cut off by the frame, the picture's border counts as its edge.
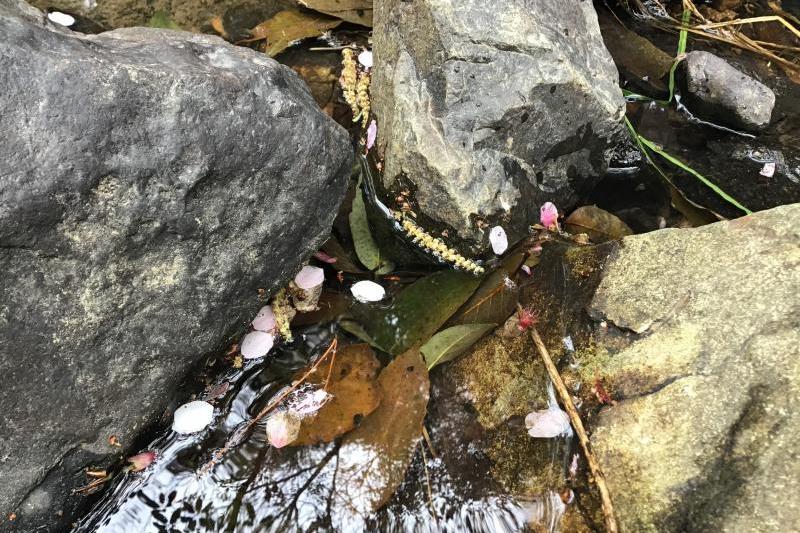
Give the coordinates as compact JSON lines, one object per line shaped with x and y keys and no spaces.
{"x":331,"y":305}
{"x":452,"y":342}
{"x":417,"y":312}
{"x":600,"y":225}
{"x":495,"y":299}
{"x":373,"y":459}
{"x":291,"y":25}
{"x":356,"y":11}
{"x":354,"y":387}
{"x":366,"y":249}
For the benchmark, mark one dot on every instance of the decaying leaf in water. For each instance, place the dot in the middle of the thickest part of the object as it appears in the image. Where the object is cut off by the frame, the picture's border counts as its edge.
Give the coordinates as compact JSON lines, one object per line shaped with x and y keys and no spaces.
{"x":354,"y":387}
{"x":373,"y":459}
{"x":600,"y":225}
{"x":356,"y":11}
{"x":495,"y":299}
{"x":291,"y":25}
{"x":417,"y":312}
{"x":452,"y":342}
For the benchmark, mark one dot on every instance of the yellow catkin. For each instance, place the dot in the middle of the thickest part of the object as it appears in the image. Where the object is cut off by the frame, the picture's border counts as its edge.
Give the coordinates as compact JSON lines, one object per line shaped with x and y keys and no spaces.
{"x":436,"y":246}
{"x":349,"y":79}
{"x":284,"y":312}
{"x":362,"y":99}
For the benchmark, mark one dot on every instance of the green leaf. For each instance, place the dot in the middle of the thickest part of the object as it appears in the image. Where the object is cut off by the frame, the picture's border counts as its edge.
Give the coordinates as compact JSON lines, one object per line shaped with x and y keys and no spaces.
{"x":495,"y":299}
{"x":452,"y":342}
{"x":417,"y":312}
{"x":160,"y":19}
{"x":366,"y":249}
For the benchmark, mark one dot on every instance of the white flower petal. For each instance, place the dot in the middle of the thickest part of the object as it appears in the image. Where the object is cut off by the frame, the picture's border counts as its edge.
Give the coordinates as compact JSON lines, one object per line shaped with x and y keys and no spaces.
{"x":61,"y":18}
{"x":256,"y":344}
{"x":282,"y":428}
{"x":497,"y":236}
{"x":367,"y":291}
{"x":192,"y":417}
{"x":265,"y":319}
{"x":309,"y":277}
{"x":365,"y":58}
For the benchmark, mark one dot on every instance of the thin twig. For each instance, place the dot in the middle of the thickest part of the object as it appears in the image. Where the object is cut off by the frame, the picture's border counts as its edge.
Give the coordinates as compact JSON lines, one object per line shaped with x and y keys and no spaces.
{"x":272,"y":405}
{"x":428,"y":441}
{"x":428,"y":482}
{"x":575,"y":418}
{"x":330,"y":371}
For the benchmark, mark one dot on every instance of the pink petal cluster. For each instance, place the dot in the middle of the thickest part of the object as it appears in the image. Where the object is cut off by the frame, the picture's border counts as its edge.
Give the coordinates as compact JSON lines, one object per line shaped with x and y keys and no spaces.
{"x":141,"y":461}
{"x":548,"y":215}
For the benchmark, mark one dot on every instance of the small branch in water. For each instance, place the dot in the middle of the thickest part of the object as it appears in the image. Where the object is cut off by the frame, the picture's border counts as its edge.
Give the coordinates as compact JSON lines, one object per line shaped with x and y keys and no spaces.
{"x":575,"y":418}
{"x":428,"y":441}
{"x":239,"y":436}
{"x":428,"y":482}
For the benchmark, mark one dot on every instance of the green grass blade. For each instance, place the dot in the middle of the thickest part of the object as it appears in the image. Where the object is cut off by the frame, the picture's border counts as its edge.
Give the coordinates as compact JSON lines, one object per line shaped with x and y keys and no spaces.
{"x":643,"y":142}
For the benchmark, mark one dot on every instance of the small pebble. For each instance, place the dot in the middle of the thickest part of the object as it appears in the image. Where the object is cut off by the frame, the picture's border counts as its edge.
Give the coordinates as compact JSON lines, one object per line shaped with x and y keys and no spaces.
{"x":499,"y":240}
{"x":309,"y":277}
{"x":257,"y":344}
{"x":192,"y":417}
{"x":367,"y":291}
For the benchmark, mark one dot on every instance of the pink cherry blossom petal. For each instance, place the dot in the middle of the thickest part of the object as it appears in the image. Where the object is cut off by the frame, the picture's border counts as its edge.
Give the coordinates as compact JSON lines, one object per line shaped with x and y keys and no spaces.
{"x":372,"y":134}
{"x":548,"y":215}
{"x":325,"y":258}
{"x":192,"y":417}
{"x":140,"y":461}
{"x":309,"y":403}
{"x":282,"y":428}
{"x":265,"y":319}
{"x":257,"y":344}
{"x":548,"y":424}
{"x":498,"y":239}
{"x":309,"y":277}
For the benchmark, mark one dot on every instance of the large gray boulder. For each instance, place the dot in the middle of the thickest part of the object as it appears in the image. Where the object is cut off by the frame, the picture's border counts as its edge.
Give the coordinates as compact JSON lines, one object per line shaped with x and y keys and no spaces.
{"x":490,"y":109}
{"x":151,"y":182}
{"x":704,"y":435}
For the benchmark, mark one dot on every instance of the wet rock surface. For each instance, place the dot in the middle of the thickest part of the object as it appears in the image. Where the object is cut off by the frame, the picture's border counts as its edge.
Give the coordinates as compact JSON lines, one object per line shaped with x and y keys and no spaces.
{"x":489,"y":112}
{"x":702,"y":437}
{"x":150,"y":183}
{"x":718,"y":91}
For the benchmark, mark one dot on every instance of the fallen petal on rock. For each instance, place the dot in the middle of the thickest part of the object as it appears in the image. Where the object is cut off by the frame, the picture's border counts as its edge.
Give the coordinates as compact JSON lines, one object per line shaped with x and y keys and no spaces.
{"x":499,"y":240}
{"x":140,"y":461}
{"x":372,"y":134}
{"x":365,"y":58}
{"x":309,"y":277}
{"x":367,"y":291}
{"x":282,"y":428}
{"x":548,"y":215}
{"x":192,"y":417}
{"x":768,"y":170}
{"x":61,"y":18}
{"x":548,"y":424}
{"x":257,"y":344}
{"x":265,"y":319}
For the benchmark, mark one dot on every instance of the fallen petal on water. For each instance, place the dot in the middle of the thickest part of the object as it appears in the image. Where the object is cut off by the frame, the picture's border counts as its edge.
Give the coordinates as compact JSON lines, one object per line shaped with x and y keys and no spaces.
{"x":367,"y":291}
{"x":192,"y":417}
{"x":140,"y":461}
{"x":265,"y":319}
{"x":309,"y":277}
{"x":282,"y":428}
{"x":499,"y":240}
{"x":548,"y":424}
{"x":257,"y":344}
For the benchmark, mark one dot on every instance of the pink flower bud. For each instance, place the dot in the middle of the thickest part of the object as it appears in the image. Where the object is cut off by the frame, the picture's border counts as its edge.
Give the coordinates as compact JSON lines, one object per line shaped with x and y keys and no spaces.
{"x":548,"y":215}
{"x":141,"y":461}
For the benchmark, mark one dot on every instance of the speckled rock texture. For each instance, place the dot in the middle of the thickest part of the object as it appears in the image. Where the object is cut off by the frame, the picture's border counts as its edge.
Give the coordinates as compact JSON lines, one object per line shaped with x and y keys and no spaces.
{"x":489,"y":109}
{"x":150,"y":183}
{"x":704,"y":436}
{"x":720,"y":92}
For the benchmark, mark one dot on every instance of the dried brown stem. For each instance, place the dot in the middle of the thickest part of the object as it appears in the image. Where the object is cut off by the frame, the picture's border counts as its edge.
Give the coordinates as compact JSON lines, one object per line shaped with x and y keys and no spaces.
{"x":583,"y":438}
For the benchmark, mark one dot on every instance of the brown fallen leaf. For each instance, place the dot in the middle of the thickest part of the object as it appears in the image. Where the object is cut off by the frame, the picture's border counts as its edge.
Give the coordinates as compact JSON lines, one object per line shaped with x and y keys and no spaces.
{"x":354,"y":387}
{"x":599,"y":224}
{"x":356,"y":11}
{"x":373,"y":459}
{"x":288,"y":26}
